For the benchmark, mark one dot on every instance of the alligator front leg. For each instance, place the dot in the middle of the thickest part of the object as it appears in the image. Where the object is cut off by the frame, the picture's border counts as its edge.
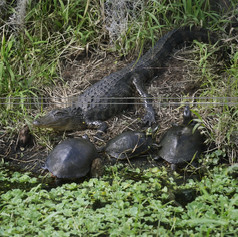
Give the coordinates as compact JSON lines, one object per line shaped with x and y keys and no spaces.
{"x":147,"y":98}
{"x":101,"y":127}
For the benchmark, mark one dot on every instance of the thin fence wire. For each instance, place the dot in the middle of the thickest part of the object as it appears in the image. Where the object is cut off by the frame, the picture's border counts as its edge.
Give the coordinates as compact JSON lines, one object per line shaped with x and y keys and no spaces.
{"x":163,"y":101}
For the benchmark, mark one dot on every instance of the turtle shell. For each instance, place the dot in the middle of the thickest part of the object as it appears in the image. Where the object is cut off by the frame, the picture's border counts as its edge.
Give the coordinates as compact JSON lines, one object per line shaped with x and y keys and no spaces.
{"x":179,"y":144}
{"x":72,"y":158}
{"x":128,"y":144}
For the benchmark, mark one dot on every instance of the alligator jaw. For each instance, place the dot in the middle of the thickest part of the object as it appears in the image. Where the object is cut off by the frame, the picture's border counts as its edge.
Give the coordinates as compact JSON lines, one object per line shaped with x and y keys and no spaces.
{"x":51,"y":120}
{"x":61,"y":120}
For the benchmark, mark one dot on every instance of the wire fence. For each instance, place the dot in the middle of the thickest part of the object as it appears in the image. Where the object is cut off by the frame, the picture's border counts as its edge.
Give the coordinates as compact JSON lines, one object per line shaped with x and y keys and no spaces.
{"x":158,"y":101}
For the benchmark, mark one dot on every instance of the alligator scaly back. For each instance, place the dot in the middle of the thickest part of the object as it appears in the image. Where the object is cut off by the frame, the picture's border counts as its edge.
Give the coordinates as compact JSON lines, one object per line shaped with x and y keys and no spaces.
{"x":107,"y":97}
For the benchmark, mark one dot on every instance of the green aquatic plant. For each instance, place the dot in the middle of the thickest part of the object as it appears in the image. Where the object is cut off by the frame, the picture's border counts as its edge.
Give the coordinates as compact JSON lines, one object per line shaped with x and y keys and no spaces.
{"x":122,"y":206}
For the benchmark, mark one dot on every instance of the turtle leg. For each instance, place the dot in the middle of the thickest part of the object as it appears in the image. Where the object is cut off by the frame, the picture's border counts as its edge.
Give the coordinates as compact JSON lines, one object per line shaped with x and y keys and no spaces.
{"x":96,"y":168}
{"x":173,"y":167}
{"x":138,"y":82}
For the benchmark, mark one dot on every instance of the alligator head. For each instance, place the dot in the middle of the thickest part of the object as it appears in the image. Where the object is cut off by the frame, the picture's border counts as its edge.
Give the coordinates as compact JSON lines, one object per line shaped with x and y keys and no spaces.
{"x":62,"y":120}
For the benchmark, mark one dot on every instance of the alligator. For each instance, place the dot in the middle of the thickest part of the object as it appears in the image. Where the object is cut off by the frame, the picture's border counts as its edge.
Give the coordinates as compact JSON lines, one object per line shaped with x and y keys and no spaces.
{"x":111,"y":95}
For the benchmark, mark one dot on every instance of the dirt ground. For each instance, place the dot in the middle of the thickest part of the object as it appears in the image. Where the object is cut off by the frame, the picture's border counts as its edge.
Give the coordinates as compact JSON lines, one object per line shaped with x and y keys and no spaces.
{"x":177,"y":79}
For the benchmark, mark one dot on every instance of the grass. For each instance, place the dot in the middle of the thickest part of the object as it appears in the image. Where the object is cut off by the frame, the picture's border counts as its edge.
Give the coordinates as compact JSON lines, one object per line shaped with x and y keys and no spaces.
{"x":74,"y":25}
{"x":221,"y":128}
{"x":57,"y":33}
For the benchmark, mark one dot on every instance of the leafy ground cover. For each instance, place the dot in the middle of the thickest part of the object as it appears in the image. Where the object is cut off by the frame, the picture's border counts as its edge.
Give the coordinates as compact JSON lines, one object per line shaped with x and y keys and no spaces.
{"x":120,"y":206}
{"x":61,"y":48}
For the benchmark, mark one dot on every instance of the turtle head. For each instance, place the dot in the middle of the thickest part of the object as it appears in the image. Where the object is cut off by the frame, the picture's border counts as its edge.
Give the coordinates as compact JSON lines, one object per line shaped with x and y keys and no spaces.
{"x":151,"y":131}
{"x":187,"y":115}
{"x":62,"y":120}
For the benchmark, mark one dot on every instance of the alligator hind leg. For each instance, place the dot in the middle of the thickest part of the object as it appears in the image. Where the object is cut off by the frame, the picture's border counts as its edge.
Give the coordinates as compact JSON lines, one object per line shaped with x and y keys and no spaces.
{"x":147,"y":98}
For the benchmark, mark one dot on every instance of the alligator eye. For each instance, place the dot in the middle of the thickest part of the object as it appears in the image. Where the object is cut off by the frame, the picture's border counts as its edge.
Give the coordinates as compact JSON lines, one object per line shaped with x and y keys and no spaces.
{"x":58,"y":113}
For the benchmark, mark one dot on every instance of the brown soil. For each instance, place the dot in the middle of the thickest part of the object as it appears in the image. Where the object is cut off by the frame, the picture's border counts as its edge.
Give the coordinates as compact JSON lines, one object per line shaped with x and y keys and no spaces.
{"x":180,"y":77}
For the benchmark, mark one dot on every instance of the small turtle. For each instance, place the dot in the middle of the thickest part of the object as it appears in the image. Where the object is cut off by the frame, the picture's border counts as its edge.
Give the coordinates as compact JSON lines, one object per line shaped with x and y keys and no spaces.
{"x":73,"y":158}
{"x":180,"y":144}
{"x":25,"y":137}
{"x":129,"y":144}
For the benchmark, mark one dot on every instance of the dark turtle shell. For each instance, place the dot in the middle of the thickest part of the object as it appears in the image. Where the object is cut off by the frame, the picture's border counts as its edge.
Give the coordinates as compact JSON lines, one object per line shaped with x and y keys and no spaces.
{"x":180,"y":144}
{"x":72,"y":158}
{"x":128,"y":144}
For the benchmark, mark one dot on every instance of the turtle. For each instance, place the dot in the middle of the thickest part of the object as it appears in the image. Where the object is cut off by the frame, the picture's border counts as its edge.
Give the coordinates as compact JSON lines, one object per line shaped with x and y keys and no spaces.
{"x":129,"y":144}
{"x":25,"y":138}
{"x":180,"y":144}
{"x":73,"y":158}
